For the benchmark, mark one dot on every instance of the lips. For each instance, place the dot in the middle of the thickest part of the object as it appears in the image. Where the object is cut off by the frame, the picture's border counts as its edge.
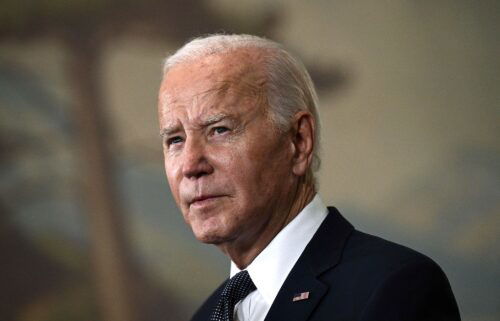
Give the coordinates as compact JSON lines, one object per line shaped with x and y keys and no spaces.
{"x":204,"y":200}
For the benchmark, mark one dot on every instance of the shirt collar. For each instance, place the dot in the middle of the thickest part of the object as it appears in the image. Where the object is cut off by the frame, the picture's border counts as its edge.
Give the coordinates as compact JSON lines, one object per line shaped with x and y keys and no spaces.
{"x":272,"y":266}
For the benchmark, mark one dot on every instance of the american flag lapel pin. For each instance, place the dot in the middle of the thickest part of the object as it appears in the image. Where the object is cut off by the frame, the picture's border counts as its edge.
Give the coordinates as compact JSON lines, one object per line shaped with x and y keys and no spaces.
{"x":301,"y":296}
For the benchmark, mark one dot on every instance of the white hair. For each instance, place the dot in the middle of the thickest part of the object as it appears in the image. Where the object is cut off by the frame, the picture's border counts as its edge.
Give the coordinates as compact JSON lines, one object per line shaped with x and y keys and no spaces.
{"x":289,"y":88}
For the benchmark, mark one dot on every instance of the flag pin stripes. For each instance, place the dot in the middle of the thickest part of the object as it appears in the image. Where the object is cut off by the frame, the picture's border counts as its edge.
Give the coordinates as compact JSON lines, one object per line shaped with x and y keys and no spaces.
{"x":301,"y":296}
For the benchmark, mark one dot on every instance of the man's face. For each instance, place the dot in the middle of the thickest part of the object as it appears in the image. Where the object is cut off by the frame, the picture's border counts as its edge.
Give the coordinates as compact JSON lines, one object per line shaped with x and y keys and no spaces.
{"x":229,"y":169}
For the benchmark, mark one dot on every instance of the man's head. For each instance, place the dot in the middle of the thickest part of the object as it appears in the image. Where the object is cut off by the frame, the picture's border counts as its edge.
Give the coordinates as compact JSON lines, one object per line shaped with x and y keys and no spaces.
{"x":239,"y":123}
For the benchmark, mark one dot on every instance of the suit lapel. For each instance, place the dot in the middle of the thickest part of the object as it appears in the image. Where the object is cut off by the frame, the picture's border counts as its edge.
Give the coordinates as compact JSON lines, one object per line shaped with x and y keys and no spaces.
{"x":321,"y":254}
{"x":284,"y":308}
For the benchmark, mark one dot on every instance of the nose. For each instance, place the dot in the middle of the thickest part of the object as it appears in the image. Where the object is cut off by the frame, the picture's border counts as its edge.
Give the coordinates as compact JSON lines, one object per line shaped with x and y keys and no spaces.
{"x":195,"y":162}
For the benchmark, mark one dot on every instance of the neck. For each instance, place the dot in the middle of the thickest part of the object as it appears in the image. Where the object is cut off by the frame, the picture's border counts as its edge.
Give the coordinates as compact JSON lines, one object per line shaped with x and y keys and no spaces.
{"x":242,"y":253}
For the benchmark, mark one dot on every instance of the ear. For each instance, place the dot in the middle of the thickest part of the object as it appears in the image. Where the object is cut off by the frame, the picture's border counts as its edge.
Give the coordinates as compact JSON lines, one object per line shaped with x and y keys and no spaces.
{"x":303,"y":129}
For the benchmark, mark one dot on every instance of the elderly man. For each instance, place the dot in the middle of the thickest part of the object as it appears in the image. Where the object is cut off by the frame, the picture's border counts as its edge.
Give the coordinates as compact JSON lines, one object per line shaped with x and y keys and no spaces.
{"x":239,"y":121}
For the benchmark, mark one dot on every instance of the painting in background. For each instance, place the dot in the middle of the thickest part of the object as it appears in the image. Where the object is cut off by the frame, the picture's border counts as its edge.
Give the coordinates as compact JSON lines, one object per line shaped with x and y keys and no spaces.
{"x":88,"y":229}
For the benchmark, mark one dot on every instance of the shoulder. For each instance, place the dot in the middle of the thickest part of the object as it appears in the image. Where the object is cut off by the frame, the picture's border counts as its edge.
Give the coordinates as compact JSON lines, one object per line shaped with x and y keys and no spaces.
{"x":360,"y":254}
{"x":381,"y":277}
{"x":373,"y":261}
{"x":380,"y":254}
{"x":358,"y":248}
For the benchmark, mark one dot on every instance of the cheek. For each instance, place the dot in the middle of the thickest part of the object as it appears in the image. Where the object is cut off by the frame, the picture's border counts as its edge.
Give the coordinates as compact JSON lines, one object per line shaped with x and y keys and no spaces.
{"x":171,"y":172}
{"x":270,"y":160}
{"x":250,"y":174}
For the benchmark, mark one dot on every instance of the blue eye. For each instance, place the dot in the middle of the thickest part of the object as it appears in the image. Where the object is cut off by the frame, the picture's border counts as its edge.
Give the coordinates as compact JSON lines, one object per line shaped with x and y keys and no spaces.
{"x":220,"y":130}
{"x":174,"y":140}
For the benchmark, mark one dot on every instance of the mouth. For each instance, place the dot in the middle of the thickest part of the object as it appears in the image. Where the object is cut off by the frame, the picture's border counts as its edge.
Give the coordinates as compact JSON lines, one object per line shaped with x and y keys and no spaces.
{"x":204,"y":200}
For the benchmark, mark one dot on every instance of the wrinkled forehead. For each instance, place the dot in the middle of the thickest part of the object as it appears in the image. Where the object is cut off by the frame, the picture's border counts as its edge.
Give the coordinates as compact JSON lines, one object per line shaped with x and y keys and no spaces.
{"x":234,"y":75}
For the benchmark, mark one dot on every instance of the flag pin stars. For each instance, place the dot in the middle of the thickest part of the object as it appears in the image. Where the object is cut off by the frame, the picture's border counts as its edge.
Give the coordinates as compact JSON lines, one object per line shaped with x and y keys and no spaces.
{"x":301,"y":296}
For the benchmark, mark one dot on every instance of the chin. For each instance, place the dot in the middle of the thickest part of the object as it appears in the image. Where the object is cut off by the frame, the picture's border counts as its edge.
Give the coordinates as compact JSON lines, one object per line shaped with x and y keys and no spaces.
{"x":210,"y":238}
{"x":208,"y":233}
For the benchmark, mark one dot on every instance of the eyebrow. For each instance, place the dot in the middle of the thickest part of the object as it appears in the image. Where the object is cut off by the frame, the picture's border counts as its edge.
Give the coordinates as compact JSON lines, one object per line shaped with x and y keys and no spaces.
{"x":169,"y":129}
{"x":212,"y":119}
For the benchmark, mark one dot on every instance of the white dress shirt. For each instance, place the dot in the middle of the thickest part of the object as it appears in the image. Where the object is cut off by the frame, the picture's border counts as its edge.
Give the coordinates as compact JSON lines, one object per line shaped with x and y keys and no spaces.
{"x":272,"y":266}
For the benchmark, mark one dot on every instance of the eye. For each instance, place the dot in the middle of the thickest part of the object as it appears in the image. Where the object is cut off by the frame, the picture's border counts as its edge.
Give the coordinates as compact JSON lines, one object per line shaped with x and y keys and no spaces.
{"x":220,"y":130}
{"x":174,"y":140}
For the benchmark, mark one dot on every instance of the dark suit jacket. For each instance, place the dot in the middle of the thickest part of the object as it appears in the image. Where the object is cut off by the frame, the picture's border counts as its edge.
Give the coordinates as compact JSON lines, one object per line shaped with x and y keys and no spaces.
{"x":351,"y":275}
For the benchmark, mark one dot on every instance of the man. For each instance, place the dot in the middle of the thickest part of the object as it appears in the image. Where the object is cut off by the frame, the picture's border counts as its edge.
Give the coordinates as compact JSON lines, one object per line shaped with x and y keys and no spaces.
{"x":239,"y":122}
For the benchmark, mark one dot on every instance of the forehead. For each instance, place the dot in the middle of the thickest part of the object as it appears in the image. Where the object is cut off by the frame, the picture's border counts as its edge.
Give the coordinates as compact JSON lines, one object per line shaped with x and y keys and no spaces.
{"x":228,"y":76}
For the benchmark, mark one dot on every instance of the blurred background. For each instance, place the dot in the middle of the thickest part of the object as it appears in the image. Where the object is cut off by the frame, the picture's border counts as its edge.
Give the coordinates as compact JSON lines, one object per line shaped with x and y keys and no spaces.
{"x":88,"y":230}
